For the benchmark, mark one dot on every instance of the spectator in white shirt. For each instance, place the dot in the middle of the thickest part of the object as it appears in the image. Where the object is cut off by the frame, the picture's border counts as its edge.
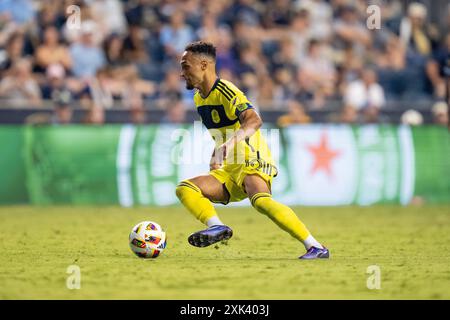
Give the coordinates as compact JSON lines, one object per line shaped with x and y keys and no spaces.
{"x":366,"y":96}
{"x":365,"y":92}
{"x":321,"y":16}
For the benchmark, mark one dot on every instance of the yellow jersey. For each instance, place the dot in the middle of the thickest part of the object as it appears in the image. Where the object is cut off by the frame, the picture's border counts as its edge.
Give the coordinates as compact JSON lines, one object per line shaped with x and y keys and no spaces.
{"x":219,"y":112}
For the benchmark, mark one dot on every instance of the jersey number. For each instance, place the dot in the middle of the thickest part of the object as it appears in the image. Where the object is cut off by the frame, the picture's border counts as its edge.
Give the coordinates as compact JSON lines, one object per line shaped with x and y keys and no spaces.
{"x":215,"y":116}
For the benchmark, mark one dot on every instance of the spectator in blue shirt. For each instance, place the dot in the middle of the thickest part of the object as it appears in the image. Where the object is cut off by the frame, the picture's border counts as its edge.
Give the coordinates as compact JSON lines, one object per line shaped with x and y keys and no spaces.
{"x":20,"y":11}
{"x":86,"y":55}
{"x":175,"y":35}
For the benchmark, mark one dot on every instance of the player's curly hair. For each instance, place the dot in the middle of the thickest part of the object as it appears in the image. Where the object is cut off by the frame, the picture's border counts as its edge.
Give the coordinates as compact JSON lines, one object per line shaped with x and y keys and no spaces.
{"x":202,"y":47}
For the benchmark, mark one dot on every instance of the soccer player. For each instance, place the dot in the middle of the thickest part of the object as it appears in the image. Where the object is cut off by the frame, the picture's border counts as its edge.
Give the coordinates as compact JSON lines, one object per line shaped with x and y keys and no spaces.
{"x":241,"y":165}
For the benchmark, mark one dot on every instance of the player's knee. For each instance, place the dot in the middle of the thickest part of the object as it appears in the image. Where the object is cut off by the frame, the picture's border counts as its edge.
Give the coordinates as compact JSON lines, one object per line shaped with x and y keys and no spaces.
{"x":259,"y":199}
{"x":180,"y":190}
{"x":183,"y":187}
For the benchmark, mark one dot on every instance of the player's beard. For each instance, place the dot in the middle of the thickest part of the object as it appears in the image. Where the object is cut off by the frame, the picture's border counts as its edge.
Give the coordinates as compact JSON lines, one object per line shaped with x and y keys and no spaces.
{"x":189,"y":84}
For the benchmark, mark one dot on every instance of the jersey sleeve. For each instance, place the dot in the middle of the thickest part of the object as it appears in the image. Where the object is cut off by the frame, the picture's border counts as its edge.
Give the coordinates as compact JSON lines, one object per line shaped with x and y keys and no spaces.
{"x":234,"y":100}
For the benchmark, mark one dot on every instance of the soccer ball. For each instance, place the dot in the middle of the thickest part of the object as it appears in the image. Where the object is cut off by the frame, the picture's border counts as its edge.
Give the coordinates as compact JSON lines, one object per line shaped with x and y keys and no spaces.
{"x":147,"y":239}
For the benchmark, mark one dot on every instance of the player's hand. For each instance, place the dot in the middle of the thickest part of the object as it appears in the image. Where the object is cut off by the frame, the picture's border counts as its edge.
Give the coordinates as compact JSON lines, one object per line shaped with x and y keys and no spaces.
{"x":218,"y":157}
{"x":221,"y":153}
{"x":213,"y":164}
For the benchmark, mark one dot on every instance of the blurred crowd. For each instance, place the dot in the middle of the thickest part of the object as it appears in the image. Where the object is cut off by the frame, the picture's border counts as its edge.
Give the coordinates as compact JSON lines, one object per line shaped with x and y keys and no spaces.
{"x":290,"y":55}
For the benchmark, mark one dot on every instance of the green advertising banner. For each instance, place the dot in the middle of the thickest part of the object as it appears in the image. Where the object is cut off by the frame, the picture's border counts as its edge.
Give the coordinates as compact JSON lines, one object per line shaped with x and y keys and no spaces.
{"x":73,"y":164}
{"x":342,"y":165}
{"x":323,"y":165}
{"x":12,"y":166}
{"x":432,"y":164}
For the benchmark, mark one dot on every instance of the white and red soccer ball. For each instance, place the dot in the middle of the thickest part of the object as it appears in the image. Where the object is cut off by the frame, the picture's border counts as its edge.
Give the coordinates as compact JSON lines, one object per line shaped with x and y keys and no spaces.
{"x":147,"y":239}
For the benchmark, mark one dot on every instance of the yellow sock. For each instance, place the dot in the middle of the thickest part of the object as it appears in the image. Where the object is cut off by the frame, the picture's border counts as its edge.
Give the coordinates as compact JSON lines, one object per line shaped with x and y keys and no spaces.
{"x":281,"y":214}
{"x":192,"y":198}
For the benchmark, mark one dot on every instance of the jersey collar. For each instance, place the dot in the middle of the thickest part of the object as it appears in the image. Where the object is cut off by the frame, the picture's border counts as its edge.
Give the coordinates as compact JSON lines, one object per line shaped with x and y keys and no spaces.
{"x":212,"y":89}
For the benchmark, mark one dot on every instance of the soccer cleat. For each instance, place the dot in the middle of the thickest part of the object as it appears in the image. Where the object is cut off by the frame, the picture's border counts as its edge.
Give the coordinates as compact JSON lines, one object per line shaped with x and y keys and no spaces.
{"x":210,"y":236}
{"x":316,"y":253}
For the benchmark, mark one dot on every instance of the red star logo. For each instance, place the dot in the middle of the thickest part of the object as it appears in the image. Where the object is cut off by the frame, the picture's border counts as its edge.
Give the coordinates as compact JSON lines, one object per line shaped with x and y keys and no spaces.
{"x":323,"y":156}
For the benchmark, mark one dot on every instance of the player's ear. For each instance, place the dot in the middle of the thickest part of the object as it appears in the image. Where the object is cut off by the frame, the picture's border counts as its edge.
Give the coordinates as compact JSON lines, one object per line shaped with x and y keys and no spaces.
{"x":204,"y":64}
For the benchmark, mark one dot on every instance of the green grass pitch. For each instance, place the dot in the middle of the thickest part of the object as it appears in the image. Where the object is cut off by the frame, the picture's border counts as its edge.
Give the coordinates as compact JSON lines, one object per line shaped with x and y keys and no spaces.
{"x":411,"y":246}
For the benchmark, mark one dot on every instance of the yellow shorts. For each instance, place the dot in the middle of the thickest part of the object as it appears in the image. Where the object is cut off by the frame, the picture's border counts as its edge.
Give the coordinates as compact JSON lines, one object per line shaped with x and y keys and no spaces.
{"x":232,"y":177}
